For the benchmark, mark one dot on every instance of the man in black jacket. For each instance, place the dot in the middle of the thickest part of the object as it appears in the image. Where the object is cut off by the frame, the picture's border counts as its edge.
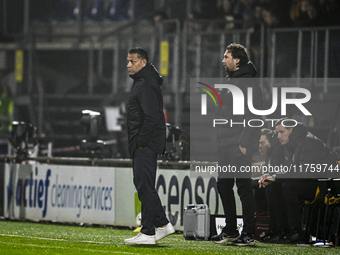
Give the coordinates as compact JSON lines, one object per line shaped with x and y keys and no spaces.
{"x":274,"y":156}
{"x":236,"y":145}
{"x":146,"y":133}
{"x":301,"y":149}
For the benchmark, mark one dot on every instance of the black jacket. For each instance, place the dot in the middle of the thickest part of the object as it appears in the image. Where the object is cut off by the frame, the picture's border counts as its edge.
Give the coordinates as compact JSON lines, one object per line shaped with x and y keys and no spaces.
{"x":247,"y":137}
{"x":304,"y":149}
{"x":145,"y":117}
{"x":275,"y":154}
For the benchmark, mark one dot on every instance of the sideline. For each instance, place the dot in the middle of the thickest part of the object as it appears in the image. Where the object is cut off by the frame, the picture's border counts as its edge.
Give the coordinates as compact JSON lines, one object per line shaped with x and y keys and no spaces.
{"x":64,"y":248}
{"x":53,"y":239}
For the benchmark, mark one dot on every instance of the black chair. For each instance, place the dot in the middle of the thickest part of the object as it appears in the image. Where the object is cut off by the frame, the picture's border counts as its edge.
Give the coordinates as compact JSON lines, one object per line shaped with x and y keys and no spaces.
{"x":327,"y":199}
{"x":312,"y":207}
{"x":332,"y":202}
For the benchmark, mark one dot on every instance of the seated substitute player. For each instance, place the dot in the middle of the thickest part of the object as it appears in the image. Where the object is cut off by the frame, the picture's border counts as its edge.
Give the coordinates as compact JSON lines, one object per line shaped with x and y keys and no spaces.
{"x":301,"y":149}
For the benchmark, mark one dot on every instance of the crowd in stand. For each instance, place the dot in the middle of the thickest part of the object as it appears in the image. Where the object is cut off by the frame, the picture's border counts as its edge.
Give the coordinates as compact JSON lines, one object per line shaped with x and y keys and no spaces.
{"x":274,"y":13}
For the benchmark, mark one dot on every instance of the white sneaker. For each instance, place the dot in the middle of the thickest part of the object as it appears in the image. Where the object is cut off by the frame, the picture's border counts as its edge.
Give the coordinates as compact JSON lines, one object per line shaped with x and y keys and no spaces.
{"x":162,"y":232}
{"x":141,"y":239}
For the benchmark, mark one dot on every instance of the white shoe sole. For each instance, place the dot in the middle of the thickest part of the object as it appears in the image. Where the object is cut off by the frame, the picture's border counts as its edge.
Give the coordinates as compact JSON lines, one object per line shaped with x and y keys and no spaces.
{"x":149,"y":243}
{"x":245,"y":244}
{"x":229,"y":239}
{"x":166,"y":233}
{"x":141,"y":239}
{"x":221,"y":241}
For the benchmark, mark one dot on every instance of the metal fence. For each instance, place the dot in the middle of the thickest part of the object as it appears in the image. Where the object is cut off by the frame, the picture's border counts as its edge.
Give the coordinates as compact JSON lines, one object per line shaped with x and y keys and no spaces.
{"x":195,"y":50}
{"x":304,"y":52}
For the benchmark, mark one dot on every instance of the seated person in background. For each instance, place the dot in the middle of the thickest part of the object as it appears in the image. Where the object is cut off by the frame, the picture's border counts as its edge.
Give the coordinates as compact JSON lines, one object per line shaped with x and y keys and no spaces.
{"x":274,"y":156}
{"x":301,"y":149}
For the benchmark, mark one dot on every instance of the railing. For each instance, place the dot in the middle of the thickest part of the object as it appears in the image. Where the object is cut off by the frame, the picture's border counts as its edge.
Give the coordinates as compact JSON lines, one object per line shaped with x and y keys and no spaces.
{"x":301,"y":52}
{"x":99,"y":161}
{"x":314,"y":48}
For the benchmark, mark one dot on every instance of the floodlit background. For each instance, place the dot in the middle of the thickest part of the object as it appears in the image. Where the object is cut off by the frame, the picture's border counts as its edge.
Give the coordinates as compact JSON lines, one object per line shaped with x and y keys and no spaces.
{"x":59,"y":57}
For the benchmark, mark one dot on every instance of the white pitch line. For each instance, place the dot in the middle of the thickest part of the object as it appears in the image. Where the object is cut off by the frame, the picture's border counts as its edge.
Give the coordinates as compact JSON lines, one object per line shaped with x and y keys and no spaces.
{"x":65,"y":248}
{"x":94,"y":242}
{"x":53,"y":239}
{"x":34,"y":237}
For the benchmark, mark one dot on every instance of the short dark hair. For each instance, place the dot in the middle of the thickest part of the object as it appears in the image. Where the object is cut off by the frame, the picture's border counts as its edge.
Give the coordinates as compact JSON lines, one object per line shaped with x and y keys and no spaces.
{"x":240,"y":52}
{"x":288,"y":123}
{"x":141,"y":53}
{"x":267,"y":132}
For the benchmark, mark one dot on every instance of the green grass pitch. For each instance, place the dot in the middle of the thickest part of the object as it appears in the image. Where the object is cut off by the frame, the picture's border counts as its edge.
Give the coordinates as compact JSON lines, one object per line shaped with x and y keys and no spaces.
{"x":40,"y":238}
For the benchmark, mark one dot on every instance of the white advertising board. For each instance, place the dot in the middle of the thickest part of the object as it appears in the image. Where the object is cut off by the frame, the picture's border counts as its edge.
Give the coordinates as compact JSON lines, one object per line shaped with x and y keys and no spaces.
{"x":99,"y":195}
{"x":60,"y":193}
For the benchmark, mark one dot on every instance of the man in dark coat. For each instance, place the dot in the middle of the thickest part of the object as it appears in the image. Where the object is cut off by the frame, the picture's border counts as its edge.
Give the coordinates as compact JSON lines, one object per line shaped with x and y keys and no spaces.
{"x":236,"y":145}
{"x":274,"y":156}
{"x":146,"y":133}
{"x":301,"y":149}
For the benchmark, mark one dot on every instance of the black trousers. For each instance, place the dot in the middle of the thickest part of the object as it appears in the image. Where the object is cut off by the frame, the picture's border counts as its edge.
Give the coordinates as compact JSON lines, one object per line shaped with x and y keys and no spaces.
{"x":233,"y":156}
{"x":260,"y":198}
{"x":144,"y":177}
{"x":295,"y":191}
{"x":278,"y":221}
